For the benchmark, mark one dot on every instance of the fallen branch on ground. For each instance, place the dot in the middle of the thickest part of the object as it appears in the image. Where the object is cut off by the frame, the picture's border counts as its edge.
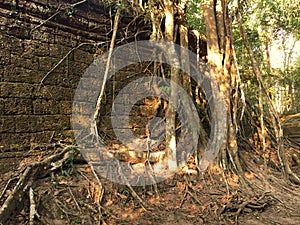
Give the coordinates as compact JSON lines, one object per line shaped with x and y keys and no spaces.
{"x":33,"y":211}
{"x":33,"y":172}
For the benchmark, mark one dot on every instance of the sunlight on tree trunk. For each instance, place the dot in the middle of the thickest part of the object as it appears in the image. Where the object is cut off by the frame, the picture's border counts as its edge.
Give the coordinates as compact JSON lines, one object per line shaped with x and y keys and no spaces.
{"x":155,"y":16}
{"x":224,"y":79}
{"x":171,"y":110}
{"x":215,"y":58}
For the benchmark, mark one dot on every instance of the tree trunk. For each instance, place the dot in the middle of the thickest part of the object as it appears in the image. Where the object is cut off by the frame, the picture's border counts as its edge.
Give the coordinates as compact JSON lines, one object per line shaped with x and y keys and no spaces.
{"x":184,"y":42}
{"x":281,"y":152}
{"x":215,"y":58}
{"x":171,"y":110}
{"x":218,"y":32}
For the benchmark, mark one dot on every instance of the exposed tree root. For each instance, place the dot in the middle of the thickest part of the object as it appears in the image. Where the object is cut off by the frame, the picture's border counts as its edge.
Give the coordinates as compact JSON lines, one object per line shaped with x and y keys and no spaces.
{"x":144,"y":205}
{"x":237,"y":204}
{"x":27,"y":179}
{"x":33,"y":211}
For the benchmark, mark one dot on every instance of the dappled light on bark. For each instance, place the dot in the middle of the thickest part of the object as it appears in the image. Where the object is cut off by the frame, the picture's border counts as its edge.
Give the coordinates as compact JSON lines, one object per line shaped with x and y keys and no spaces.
{"x":208,"y":148}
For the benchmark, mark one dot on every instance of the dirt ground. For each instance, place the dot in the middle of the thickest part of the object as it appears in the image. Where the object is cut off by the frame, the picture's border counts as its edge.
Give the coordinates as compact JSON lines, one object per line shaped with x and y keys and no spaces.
{"x":73,"y":195}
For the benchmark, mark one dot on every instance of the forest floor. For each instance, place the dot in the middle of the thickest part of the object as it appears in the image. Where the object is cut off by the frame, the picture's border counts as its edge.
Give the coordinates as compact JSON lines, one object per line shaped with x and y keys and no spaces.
{"x":72,"y":195}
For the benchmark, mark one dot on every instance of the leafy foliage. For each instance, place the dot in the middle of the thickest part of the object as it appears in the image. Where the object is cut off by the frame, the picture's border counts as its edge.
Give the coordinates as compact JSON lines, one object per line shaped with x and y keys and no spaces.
{"x":194,"y":15}
{"x":267,"y":22}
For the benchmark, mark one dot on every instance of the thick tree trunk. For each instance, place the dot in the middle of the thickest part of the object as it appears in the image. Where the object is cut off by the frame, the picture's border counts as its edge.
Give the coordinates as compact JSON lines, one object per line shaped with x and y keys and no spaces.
{"x":220,"y":59}
{"x":218,"y":84}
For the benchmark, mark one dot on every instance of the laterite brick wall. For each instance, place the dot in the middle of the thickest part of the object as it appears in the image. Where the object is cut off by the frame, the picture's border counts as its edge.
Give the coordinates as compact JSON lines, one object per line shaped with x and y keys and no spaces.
{"x":35,"y":48}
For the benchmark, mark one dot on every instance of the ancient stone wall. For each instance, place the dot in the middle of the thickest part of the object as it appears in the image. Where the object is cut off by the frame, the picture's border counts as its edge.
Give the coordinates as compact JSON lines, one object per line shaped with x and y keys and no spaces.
{"x":46,"y":45}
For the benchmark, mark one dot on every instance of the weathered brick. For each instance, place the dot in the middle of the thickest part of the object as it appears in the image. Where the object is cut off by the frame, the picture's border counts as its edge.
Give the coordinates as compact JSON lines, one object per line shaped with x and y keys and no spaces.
{"x":48,"y":63}
{"x":139,"y":131}
{"x":15,"y":141}
{"x":29,"y":124}
{"x":65,"y":107}
{"x":31,"y":112}
{"x":42,"y":35}
{"x":67,"y":80}
{"x":66,"y":39}
{"x":2,"y":108}
{"x":49,"y":78}
{"x":18,"y":30}
{"x":18,"y":90}
{"x":58,"y":51}
{"x":19,"y":74}
{"x":5,"y":56}
{"x":2,"y":23}
{"x":25,"y":63}
{"x":45,"y":107}
{"x":78,"y":69}
{"x":7,"y":124}
{"x":56,"y":122}
{"x":54,"y":93}
{"x":81,"y":56}
{"x":13,"y":44}
{"x":41,"y":137}
{"x":138,"y":122}
{"x":35,"y":48}
{"x":16,"y":106}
